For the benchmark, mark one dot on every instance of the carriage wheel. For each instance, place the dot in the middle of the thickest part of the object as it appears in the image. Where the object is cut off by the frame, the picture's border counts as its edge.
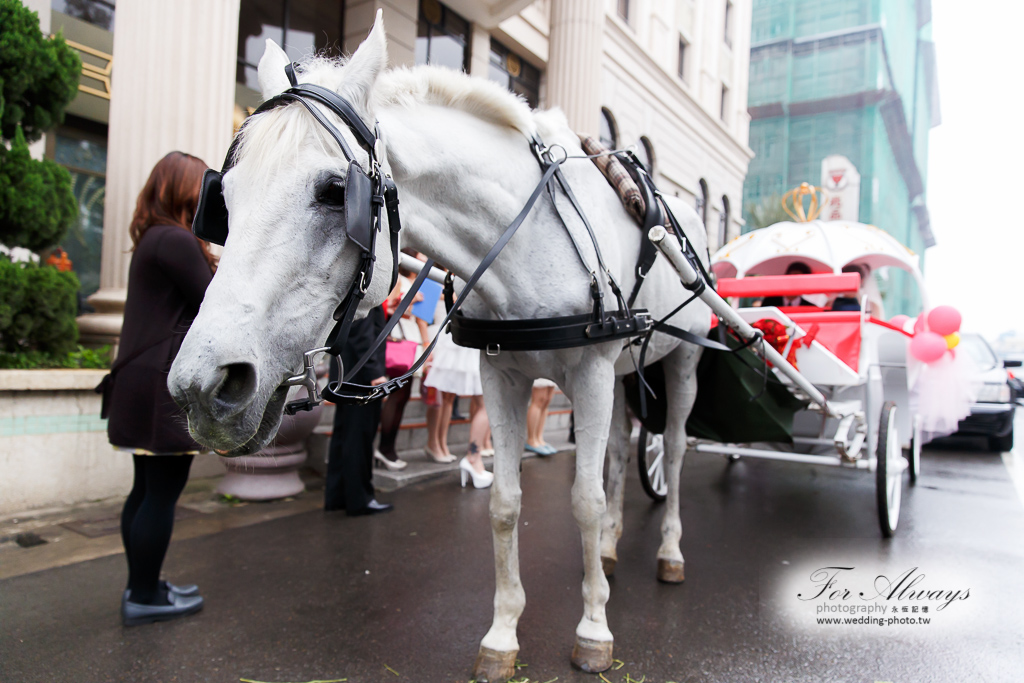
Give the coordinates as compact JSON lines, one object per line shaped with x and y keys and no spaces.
{"x":889,"y":465}
{"x":650,"y":456}
{"x":914,"y":453}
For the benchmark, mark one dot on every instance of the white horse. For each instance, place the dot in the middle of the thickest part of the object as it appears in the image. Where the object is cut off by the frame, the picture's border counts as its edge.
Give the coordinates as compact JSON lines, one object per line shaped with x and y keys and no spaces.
{"x":458,"y":151}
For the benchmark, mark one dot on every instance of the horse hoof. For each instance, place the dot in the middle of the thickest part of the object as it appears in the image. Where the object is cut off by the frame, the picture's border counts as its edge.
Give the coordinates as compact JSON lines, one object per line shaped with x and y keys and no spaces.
{"x":493,"y":666}
{"x":670,"y":571}
{"x":592,"y":656}
{"x":608,"y":565}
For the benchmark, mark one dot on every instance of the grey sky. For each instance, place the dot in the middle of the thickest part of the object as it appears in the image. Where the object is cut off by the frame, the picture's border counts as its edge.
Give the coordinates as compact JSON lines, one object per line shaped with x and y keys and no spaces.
{"x":975,"y":193}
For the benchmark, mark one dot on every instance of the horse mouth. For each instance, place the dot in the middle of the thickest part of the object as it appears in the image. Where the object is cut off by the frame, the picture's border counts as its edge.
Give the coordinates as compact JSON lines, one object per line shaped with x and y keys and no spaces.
{"x":273,"y":413}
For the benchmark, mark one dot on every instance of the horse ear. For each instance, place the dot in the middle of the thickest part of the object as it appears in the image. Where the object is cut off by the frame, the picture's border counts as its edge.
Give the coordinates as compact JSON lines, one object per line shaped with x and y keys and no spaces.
{"x":272,"y":78}
{"x":365,"y":65}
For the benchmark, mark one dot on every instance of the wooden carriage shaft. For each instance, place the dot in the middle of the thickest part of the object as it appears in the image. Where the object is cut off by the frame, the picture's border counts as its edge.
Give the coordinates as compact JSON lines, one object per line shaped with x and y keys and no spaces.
{"x":671,"y":250}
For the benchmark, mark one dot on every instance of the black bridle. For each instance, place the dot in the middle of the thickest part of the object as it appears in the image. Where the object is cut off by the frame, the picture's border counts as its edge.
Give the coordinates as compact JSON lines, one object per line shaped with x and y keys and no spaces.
{"x":367,"y":192}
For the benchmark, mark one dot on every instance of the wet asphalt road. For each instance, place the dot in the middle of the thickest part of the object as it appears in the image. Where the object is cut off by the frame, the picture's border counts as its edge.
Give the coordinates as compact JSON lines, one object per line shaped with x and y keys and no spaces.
{"x":319,"y":596}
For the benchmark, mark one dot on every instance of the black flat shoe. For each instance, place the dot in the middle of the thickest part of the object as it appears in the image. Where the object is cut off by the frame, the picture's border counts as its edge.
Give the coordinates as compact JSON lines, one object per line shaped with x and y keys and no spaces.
{"x":186,"y":590}
{"x":372,"y":508}
{"x":135,"y":614}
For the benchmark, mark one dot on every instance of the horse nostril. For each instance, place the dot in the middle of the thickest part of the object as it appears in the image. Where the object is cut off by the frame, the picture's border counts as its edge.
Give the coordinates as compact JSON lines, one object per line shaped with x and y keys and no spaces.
{"x":238,"y":385}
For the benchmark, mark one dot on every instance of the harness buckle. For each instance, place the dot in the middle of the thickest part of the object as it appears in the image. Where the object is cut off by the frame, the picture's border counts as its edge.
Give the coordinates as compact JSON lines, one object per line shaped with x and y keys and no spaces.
{"x":547,"y":152}
{"x":493,"y":352}
{"x":364,"y":282}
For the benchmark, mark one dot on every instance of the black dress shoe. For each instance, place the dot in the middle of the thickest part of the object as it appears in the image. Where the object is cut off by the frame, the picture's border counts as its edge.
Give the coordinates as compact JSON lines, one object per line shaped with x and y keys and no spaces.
{"x":135,"y":613}
{"x":372,"y":508}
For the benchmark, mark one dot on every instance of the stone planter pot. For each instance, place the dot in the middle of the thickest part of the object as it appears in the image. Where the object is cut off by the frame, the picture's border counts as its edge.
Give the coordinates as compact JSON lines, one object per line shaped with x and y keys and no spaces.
{"x":273,"y":472}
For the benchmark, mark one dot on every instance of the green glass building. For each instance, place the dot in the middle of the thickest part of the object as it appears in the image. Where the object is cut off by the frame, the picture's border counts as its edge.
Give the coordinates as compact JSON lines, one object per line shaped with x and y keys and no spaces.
{"x":855,"y":78}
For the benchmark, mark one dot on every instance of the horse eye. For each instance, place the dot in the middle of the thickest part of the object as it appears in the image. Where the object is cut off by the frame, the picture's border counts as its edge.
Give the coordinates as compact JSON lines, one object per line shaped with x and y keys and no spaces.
{"x":332,"y":194}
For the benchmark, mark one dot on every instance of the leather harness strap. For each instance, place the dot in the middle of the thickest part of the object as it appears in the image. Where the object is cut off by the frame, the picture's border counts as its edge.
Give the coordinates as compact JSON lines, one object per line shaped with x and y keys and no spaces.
{"x":355,"y":393}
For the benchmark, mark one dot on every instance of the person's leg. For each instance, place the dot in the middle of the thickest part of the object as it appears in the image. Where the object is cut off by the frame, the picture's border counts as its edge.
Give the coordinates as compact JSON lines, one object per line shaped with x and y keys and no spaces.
{"x":546,"y":394}
{"x":444,"y":422}
{"x":131,"y":506}
{"x":434,"y":429}
{"x":357,"y":459}
{"x":150,"y":533}
{"x":533,"y":432}
{"x":391,"y":420}
{"x":334,"y":481}
{"x":348,"y":485}
{"x":456,"y":414}
{"x":478,"y":428}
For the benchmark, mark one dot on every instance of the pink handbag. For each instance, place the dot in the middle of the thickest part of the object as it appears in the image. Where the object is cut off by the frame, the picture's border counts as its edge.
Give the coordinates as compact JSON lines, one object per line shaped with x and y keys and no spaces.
{"x":399,"y":357}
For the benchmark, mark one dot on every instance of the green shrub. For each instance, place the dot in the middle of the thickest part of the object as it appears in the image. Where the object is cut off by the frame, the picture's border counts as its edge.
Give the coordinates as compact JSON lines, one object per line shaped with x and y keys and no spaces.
{"x":38,"y":78}
{"x":82,"y":358}
{"x":36,"y":202}
{"x":38,"y":309}
{"x":38,"y":75}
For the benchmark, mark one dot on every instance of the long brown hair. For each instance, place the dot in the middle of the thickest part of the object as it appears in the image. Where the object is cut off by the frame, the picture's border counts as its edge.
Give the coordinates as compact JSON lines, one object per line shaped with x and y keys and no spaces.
{"x":170,"y":197}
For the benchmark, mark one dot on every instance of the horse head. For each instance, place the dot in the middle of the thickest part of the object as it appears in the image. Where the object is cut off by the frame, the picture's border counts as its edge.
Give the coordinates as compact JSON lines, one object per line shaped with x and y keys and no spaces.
{"x":288,"y":260}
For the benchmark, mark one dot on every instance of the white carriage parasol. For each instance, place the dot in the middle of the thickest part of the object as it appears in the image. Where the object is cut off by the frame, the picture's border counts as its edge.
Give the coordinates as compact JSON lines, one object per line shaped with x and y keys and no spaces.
{"x":824,"y":246}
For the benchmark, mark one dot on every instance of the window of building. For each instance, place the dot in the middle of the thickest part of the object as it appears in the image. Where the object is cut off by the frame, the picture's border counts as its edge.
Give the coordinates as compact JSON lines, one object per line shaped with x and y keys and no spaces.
{"x":608,"y":134}
{"x":97,"y":12}
{"x":702,"y":202}
{"x":509,"y":69}
{"x":723,"y":222}
{"x":442,"y":38}
{"x":724,"y":112}
{"x":301,"y":27}
{"x":623,"y":9}
{"x":645,"y":152}
{"x":682,"y":59}
{"x":728,"y":23}
{"x":84,"y":154}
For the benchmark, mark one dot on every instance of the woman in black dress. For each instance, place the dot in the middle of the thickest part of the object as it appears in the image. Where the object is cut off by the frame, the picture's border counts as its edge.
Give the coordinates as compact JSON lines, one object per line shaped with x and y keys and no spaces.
{"x":167,"y":280}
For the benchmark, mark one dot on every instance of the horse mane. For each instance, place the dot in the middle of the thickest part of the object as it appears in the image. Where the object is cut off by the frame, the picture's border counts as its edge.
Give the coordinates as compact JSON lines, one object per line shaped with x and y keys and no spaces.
{"x":289,"y":127}
{"x":407,"y":87}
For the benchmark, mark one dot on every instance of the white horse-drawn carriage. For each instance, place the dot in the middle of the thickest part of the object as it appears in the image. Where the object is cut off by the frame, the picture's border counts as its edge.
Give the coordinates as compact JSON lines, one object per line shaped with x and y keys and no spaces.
{"x":306,"y":206}
{"x":841,"y":377}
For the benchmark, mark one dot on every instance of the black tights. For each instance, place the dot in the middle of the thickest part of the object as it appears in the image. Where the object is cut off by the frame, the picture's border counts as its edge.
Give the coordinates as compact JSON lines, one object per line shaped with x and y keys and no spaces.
{"x":391,"y":420}
{"x":147,"y":521}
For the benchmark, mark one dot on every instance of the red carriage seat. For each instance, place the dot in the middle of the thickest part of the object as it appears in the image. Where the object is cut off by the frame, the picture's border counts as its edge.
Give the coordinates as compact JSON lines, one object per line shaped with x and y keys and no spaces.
{"x":837,"y":331}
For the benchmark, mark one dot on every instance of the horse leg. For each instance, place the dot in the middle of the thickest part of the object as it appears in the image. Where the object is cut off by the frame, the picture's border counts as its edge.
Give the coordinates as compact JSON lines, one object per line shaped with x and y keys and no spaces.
{"x":590,"y":390}
{"x":681,"y":388}
{"x":506,"y":395}
{"x":618,"y":459}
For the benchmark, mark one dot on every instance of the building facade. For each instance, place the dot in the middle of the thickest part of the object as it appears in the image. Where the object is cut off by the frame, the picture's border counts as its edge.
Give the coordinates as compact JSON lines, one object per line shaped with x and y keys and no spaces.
{"x":666,"y":75}
{"x":669,"y":77}
{"x":840,"y":88}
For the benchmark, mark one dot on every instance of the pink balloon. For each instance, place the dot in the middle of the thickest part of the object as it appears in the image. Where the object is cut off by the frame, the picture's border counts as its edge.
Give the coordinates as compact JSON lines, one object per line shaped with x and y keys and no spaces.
{"x":899,"y":321}
{"x":944,"y":320}
{"x":919,"y":325}
{"x":927,"y":347}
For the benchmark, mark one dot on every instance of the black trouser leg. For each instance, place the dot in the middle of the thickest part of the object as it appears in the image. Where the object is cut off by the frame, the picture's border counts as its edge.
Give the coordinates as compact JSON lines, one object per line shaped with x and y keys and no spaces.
{"x":349,"y":483}
{"x":149,"y":533}
{"x":391,"y":420}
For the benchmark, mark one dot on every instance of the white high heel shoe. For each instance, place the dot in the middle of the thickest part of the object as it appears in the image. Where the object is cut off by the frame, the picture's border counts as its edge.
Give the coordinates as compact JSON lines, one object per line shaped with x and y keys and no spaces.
{"x":440,"y":459}
{"x":393,"y":465}
{"x":481,"y":480}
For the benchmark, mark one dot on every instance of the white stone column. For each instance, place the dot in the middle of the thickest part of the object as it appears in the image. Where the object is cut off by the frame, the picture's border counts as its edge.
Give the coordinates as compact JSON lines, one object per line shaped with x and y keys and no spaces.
{"x":479,"y":51}
{"x":173,"y":88}
{"x":400,"y":22}
{"x":574,"y":62}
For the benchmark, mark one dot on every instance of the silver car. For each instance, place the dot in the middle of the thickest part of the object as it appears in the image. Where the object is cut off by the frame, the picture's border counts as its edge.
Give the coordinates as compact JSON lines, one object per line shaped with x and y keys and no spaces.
{"x":992,"y":415}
